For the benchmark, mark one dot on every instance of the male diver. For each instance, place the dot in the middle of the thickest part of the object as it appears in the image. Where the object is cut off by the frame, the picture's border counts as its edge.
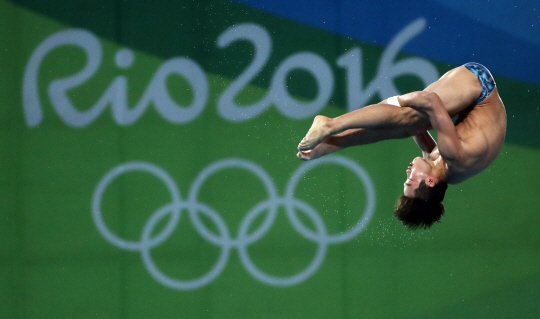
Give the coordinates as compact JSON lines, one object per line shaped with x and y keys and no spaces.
{"x":464,"y":148}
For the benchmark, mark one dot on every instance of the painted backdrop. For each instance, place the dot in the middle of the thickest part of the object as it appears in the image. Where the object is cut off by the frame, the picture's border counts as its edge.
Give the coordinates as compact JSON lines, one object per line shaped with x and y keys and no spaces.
{"x":148,"y":169}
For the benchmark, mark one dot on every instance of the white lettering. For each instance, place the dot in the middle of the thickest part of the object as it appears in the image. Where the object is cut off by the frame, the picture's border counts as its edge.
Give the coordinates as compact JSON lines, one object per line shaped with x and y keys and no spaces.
{"x":156,"y":93}
{"x":315,"y":65}
{"x":165,"y":105}
{"x":31,"y":101}
{"x":262,"y":43}
{"x":277,"y":93}
{"x":383,"y":83}
{"x":116,"y":93}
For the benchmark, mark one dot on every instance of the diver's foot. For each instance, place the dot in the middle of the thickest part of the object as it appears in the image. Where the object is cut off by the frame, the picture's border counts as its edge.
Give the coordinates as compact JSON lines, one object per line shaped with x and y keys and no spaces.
{"x":319,"y":130}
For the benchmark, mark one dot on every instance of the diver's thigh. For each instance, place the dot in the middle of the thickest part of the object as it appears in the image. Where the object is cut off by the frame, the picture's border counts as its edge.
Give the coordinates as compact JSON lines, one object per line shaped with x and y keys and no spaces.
{"x":458,"y":89}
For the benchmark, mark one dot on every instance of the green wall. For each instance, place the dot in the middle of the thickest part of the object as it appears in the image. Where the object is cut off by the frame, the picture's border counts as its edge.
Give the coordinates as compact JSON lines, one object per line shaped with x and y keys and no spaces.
{"x":141,"y":193}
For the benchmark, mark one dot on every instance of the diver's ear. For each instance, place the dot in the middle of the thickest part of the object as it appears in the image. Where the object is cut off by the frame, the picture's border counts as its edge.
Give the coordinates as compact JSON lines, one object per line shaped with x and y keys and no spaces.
{"x":431,"y":181}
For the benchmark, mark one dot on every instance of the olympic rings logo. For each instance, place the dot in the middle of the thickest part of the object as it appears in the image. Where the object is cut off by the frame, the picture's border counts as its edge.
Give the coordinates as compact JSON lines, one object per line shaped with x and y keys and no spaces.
{"x":224,"y":240}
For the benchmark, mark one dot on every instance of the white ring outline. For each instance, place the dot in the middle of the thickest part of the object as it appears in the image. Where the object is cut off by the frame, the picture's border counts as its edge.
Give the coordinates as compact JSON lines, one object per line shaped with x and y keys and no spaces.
{"x":216,"y":167}
{"x":102,"y":186}
{"x":172,"y":282}
{"x":358,"y":171}
{"x":243,"y":239}
{"x":294,"y":279}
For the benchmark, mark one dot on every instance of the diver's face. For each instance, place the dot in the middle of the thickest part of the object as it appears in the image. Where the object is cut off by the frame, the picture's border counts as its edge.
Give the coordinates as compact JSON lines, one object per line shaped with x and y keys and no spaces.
{"x":417,"y":172}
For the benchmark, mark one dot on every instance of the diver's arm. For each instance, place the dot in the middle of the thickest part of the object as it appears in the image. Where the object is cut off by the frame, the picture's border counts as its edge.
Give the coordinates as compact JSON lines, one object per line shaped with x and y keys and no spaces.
{"x":450,"y":146}
{"x":426,"y":143}
{"x":424,"y":140}
{"x":371,"y":124}
{"x":388,"y":122}
{"x":384,"y":121}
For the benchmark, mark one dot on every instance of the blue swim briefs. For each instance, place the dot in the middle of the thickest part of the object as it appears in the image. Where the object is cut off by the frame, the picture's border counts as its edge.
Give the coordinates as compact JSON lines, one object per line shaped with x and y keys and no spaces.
{"x":485,"y":78}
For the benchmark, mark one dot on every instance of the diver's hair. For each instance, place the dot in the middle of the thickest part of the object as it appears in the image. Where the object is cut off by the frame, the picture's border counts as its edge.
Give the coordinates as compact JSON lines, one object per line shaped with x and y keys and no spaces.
{"x":424,"y":209}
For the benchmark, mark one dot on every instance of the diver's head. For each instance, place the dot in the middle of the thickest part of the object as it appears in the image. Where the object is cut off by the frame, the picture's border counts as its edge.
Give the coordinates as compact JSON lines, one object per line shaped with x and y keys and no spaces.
{"x":419,"y":170}
{"x":424,"y":192}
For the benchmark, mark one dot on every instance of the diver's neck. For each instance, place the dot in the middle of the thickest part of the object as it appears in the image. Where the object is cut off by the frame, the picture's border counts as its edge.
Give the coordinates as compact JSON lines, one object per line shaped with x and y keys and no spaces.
{"x":440,"y":169}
